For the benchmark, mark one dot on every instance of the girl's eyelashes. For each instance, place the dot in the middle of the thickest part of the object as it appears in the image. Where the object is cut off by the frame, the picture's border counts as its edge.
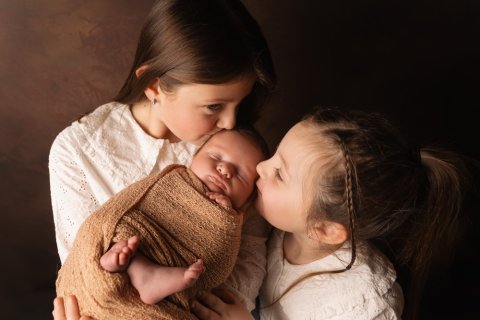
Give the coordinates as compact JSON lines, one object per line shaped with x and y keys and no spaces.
{"x":214,"y":107}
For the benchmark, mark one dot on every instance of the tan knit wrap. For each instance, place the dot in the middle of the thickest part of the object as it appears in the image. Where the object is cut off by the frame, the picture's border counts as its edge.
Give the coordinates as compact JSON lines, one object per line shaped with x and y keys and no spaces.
{"x":177,"y":225}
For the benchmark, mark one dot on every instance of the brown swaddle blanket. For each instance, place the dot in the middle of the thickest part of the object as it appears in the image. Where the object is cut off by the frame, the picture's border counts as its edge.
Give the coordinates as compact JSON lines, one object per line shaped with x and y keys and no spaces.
{"x":177,"y":225}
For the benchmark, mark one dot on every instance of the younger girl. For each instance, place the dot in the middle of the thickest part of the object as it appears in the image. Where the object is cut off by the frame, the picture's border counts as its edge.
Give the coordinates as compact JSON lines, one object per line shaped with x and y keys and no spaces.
{"x":200,"y":66}
{"x":337,"y":182}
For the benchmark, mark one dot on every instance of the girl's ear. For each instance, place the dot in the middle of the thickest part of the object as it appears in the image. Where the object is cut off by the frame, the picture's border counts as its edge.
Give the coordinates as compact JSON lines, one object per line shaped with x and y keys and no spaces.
{"x":152,"y":91}
{"x":329,"y":232}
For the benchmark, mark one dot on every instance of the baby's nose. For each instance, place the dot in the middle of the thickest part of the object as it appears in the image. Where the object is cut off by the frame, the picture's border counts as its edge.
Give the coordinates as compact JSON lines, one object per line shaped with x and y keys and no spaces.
{"x":225,"y":170}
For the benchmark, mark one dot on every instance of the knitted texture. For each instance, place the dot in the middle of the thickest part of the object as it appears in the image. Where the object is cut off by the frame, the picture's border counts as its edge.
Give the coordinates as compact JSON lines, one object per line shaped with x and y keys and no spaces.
{"x":177,"y":225}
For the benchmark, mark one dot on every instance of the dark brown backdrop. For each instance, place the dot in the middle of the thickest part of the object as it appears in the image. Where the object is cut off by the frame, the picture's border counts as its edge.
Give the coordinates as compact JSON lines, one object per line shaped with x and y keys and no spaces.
{"x":416,"y":60}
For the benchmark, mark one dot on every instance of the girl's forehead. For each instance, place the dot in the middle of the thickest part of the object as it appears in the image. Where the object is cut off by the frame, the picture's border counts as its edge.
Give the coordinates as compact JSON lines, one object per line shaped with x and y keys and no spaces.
{"x":298,"y":145}
{"x":299,"y":135}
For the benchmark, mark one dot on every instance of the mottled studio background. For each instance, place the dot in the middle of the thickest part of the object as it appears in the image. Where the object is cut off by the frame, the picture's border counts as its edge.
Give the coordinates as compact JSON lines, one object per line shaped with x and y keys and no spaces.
{"x":415,"y":60}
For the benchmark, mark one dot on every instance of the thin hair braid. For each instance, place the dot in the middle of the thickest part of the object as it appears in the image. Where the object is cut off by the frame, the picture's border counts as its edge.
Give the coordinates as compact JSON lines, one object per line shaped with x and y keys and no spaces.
{"x":350,"y":186}
{"x":350,"y":205}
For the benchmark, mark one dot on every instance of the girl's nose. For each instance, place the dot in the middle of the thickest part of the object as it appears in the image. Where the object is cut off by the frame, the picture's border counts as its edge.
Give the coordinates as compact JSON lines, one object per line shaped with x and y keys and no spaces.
{"x":227,"y":119}
{"x":225,"y":170}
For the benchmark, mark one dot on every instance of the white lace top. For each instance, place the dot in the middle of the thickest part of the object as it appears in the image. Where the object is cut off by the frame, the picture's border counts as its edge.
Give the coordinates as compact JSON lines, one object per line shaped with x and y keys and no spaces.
{"x":106,"y":151}
{"x":367,"y":291}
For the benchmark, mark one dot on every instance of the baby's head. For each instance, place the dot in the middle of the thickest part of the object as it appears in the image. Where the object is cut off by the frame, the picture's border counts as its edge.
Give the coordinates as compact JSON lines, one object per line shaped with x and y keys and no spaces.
{"x":227,"y":162}
{"x":350,"y":169}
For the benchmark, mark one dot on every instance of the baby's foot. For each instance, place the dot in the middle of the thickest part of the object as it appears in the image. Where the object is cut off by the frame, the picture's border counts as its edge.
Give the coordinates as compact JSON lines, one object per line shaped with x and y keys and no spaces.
{"x":116,"y":259}
{"x":155,"y":284}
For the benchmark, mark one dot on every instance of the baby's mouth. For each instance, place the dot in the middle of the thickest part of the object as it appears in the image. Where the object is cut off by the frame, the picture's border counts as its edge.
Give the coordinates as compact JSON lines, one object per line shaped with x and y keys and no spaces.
{"x":218,"y":183}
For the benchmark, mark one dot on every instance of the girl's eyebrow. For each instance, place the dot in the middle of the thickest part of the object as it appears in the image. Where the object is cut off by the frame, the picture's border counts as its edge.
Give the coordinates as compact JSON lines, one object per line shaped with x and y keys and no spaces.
{"x":216,"y":101}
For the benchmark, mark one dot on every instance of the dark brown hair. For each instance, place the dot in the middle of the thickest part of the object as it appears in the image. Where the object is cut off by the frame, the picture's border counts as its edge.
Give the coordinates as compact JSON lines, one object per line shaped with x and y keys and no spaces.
{"x":204,"y":42}
{"x":405,"y":200}
{"x":252,"y":133}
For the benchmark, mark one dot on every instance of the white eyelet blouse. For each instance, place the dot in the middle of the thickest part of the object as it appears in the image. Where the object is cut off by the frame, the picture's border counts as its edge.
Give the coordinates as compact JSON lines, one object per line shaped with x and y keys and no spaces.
{"x":367,"y":291}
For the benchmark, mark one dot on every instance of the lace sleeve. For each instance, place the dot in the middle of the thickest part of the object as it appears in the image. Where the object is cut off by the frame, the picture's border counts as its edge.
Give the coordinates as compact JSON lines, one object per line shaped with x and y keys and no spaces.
{"x":72,"y":199}
{"x":250,"y":268}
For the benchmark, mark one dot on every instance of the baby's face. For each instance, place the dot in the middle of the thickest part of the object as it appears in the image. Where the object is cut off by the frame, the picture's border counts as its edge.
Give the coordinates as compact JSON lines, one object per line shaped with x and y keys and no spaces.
{"x":227,"y":165}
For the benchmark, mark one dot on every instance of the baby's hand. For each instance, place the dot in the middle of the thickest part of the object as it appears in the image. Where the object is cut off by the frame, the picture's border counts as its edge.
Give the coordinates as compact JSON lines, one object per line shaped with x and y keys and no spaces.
{"x":220,"y":199}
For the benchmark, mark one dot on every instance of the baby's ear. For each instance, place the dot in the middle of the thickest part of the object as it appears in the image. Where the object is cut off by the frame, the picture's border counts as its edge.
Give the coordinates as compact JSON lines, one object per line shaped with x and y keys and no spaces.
{"x":329,"y":232}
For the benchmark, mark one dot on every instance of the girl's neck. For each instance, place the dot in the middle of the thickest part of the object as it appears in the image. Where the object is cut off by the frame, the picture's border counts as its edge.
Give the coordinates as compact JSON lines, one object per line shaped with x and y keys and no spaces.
{"x":299,"y":249}
{"x":146,"y":117}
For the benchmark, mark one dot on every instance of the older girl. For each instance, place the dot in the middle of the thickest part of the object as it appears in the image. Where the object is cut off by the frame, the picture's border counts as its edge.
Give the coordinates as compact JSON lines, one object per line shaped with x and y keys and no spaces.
{"x":200,"y":66}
